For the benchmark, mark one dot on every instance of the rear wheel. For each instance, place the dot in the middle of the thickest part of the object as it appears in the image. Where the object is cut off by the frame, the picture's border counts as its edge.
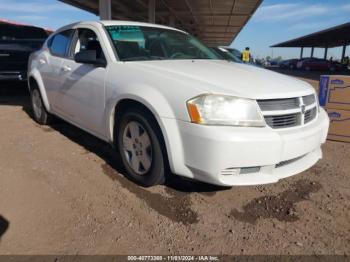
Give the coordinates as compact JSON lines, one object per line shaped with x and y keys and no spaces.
{"x":140,"y":147}
{"x":40,"y":113}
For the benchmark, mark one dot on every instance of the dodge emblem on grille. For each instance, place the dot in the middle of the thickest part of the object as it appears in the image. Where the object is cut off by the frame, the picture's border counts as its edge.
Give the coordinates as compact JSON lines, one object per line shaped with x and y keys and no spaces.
{"x":303,"y":109}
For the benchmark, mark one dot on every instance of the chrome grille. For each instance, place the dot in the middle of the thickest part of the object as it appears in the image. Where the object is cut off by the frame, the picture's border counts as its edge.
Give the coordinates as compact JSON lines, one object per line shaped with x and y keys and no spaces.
{"x":310,"y":115}
{"x":278,"y":104}
{"x":283,"y":121}
{"x":289,"y":112}
{"x":309,"y":100}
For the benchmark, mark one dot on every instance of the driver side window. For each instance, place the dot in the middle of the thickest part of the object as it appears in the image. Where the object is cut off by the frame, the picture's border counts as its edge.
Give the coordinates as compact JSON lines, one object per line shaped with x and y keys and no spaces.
{"x":88,"y":40}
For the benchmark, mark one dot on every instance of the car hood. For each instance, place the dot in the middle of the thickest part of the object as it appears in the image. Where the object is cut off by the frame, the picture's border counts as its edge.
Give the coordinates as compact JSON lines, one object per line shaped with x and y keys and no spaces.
{"x":223,"y":77}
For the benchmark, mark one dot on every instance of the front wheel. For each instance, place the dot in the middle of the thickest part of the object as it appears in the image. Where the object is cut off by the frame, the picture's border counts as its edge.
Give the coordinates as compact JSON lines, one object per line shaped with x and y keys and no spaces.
{"x":40,"y":113}
{"x":141,"y":148}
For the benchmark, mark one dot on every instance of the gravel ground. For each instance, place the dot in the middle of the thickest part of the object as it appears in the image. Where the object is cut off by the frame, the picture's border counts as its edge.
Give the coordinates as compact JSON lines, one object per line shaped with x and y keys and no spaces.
{"x":62,"y":192}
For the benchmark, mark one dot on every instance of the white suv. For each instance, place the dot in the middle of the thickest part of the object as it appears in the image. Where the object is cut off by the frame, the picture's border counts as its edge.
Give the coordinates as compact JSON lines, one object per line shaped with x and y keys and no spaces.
{"x":169,"y":103}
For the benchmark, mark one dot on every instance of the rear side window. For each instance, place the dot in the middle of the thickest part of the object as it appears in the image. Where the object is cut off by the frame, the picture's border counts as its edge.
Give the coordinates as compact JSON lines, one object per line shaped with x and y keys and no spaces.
{"x":60,"y":42}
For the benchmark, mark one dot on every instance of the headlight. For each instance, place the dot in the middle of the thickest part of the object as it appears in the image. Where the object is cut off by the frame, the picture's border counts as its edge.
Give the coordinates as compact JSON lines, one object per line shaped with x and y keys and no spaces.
{"x":225,"y":110}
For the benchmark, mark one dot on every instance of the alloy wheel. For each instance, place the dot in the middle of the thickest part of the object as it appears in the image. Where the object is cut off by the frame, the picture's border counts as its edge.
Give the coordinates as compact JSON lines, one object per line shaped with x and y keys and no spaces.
{"x":137,"y":148}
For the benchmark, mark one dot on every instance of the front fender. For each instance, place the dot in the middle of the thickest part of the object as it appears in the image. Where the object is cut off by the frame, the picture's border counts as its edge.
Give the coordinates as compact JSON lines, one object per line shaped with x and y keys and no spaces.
{"x":147,"y":96}
{"x":163,"y":113}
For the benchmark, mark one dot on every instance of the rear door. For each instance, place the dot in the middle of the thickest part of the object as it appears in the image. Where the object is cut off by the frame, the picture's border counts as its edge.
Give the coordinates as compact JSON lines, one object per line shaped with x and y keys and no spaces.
{"x":82,"y":93}
{"x":51,"y":64}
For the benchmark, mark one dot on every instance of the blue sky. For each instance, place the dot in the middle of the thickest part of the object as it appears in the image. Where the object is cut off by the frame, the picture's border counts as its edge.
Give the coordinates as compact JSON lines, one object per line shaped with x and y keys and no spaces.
{"x":275,"y":21}
{"x":280,"y":20}
{"x":45,"y":13}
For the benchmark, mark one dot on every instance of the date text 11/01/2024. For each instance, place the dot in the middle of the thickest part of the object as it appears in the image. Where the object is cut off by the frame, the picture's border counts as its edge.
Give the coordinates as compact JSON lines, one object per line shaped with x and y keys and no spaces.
{"x":173,"y":258}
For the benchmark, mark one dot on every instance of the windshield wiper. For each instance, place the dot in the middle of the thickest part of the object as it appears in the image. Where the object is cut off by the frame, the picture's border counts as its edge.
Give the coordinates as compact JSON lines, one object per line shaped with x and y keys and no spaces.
{"x":137,"y":58}
{"x":158,"y":58}
{"x":143,"y":58}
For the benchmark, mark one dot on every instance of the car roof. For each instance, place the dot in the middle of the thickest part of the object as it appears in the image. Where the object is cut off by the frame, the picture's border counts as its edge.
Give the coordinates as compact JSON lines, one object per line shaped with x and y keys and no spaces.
{"x":116,"y":23}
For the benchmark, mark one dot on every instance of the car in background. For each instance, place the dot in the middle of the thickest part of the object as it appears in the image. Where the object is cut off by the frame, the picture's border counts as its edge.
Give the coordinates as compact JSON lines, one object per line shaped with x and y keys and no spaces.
{"x":233,"y":51}
{"x":274,"y":63}
{"x":17,"y":42}
{"x":289,"y":64}
{"x":318,"y":64}
{"x":225,"y":54}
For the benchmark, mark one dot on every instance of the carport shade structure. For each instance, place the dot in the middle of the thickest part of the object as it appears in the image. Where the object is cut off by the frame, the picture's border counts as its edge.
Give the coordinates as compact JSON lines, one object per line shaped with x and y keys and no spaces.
{"x":215,"y":22}
{"x":329,"y":38}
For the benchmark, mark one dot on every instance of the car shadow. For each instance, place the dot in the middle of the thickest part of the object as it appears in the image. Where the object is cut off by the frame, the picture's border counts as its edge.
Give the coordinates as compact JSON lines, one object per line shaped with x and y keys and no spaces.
{"x":14,"y":93}
{"x":4,"y":225}
{"x":106,"y":152}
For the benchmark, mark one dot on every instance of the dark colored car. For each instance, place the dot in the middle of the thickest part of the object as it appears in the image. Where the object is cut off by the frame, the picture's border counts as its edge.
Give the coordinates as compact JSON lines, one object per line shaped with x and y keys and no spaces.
{"x":233,"y":51}
{"x":17,"y":42}
{"x":289,"y":64}
{"x":318,"y":64}
{"x":225,"y":54}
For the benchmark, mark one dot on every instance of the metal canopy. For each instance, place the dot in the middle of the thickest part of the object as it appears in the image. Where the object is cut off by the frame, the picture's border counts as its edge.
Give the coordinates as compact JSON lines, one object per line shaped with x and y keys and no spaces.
{"x":332,"y":37}
{"x":215,"y":22}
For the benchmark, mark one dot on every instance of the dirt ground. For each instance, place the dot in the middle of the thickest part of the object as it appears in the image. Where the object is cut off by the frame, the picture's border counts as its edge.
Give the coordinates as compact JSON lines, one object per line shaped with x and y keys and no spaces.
{"x":62,"y":192}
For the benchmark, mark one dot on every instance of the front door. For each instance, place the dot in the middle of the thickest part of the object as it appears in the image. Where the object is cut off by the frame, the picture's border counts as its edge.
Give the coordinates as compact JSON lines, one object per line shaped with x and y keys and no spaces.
{"x":82,"y":93}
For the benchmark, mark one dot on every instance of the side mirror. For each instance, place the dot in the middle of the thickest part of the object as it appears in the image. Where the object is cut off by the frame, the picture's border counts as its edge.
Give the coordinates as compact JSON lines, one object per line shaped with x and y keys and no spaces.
{"x":89,"y":57}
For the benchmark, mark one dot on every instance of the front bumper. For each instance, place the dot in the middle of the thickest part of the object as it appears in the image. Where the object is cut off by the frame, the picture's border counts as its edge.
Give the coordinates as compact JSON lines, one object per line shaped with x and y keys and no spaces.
{"x":212,"y":153}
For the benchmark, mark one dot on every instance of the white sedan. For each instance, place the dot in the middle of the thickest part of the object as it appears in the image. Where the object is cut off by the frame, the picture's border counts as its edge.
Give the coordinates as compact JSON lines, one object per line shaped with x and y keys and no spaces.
{"x":170,"y":105}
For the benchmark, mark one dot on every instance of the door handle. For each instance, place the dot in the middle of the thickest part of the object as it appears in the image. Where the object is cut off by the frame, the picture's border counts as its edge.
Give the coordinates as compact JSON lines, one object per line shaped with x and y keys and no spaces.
{"x":66,"y":69}
{"x":42,"y":61}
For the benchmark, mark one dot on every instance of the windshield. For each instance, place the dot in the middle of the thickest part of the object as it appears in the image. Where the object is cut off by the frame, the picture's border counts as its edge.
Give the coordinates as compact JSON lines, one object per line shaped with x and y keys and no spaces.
{"x":136,"y":43}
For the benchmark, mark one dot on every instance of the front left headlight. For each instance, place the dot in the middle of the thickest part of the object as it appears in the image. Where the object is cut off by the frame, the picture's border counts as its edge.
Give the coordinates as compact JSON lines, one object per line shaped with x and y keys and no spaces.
{"x":225,"y":110}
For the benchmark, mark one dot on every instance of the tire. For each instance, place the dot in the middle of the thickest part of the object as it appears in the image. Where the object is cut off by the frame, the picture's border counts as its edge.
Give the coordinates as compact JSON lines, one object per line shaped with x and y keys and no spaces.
{"x":139,"y":142}
{"x":40,"y":114}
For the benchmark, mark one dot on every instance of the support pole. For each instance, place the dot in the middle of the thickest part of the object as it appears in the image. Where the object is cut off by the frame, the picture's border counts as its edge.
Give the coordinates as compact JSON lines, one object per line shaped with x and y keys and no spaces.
{"x":152,"y":11}
{"x":301,"y":52}
{"x":312,"y":52}
{"x":105,"y":9}
{"x":343,"y":53}
{"x":172,"y":20}
{"x":325,"y":53}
